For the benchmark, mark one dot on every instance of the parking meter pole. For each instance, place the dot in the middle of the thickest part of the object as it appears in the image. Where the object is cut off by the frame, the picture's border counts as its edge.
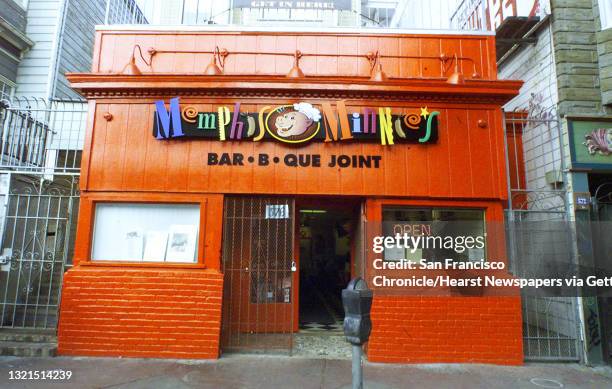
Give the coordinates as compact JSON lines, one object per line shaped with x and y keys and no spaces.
{"x":357,"y":368}
{"x":357,"y":303}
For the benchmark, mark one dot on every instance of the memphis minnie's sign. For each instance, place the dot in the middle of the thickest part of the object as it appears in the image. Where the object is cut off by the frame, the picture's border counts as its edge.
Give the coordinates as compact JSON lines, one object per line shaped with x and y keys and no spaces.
{"x":296,"y":124}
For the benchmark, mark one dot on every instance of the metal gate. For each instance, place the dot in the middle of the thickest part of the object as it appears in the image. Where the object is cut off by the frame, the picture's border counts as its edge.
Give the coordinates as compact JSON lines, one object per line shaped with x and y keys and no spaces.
{"x":259,"y":299}
{"x":36,"y":247}
{"x":551,"y":325}
{"x":601,"y":214}
{"x":538,"y":231}
{"x":40,"y":157}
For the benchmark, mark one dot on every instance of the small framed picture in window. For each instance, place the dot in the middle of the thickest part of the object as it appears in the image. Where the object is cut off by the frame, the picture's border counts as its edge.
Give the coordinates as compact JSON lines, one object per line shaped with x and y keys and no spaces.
{"x":182,"y":243}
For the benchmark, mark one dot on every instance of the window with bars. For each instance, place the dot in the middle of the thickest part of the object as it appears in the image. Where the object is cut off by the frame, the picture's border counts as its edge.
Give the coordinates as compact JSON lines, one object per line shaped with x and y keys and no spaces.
{"x":7,"y":89}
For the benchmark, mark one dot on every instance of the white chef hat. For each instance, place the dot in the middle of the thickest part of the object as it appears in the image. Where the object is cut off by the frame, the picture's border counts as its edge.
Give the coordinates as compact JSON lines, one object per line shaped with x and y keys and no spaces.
{"x":307,"y":109}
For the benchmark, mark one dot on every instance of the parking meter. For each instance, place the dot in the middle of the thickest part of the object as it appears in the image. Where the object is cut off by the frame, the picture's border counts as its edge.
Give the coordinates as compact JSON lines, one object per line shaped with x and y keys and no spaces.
{"x":357,"y":302}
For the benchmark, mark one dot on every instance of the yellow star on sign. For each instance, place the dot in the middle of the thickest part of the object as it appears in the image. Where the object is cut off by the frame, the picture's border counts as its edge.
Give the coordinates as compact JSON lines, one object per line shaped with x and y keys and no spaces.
{"x":424,"y":112}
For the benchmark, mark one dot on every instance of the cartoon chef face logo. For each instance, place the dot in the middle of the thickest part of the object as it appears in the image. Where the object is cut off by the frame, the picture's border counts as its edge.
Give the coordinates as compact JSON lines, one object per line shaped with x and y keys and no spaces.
{"x":294,"y":123}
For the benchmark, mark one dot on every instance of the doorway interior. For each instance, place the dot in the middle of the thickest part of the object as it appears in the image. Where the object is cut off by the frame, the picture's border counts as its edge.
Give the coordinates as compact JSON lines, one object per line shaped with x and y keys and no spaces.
{"x":326,"y":240}
{"x":285,"y":262}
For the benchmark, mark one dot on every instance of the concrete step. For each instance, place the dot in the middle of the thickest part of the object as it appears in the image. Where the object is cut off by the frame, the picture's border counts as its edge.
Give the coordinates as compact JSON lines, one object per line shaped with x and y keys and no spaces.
{"x":30,"y":317}
{"x":28,"y":349}
{"x":27,"y":336}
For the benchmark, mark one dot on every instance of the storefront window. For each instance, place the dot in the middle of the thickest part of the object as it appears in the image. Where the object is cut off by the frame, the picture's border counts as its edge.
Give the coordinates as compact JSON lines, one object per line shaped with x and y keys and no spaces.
{"x":146,"y":232}
{"x":458,"y":234}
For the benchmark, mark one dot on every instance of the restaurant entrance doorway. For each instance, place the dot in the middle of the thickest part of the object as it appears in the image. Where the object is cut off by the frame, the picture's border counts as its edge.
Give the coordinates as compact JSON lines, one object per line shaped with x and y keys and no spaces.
{"x":285,"y":263}
{"x":326,"y":239}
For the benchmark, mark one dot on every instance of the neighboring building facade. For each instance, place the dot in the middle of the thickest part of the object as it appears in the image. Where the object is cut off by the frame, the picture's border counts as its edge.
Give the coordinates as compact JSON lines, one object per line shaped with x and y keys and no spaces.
{"x":42,"y":126}
{"x":13,"y":44}
{"x":559,"y":125}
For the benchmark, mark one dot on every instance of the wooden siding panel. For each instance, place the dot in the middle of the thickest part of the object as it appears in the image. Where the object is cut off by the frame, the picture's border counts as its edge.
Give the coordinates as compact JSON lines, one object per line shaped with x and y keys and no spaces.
{"x":347,"y":65}
{"x":14,"y":14}
{"x":140,"y":117}
{"x":245,"y":63}
{"x":459,"y":153}
{"x":261,"y":182}
{"x":242,"y":177}
{"x":184,"y":62}
{"x":285,"y":178}
{"x":438,"y":160}
{"x":177,"y":173}
{"x":105,"y":64}
{"x":409,"y":67}
{"x":463,"y":163}
{"x":394,"y":172}
{"x":475,"y":47}
{"x":41,"y":28}
{"x":155,"y":161}
{"x":327,"y":66}
{"x":494,"y":119}
{"x":8,"y":67}
{"x":265,"y":64}
{"x":197,"y":178}
{"x":430,"y":47}
{"x":308,"y":179}
{"x":417,"y":163}
{"x":449,"y":48}
{"x":391,"y":47}
{"x":482,"y":153}
{"x":471,"y":48}
{"x":98,"y":143}
{"x":374,"y":179}
{"x":77,"y":42}
{"x":115,"y":145}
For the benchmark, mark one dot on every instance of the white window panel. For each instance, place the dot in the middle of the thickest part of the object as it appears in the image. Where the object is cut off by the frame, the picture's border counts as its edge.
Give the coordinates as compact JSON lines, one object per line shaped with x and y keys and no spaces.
{"x":605,"y":12}
{"x":136,"y":232}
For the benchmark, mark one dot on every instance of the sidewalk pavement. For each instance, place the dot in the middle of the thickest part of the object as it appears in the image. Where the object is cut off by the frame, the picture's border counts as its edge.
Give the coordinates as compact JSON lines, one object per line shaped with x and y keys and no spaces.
{"x":268,"y":372}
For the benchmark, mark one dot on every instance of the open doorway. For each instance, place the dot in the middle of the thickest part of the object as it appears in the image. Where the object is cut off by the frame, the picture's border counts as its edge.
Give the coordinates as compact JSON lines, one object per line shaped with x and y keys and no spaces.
{"x":326,"y":254}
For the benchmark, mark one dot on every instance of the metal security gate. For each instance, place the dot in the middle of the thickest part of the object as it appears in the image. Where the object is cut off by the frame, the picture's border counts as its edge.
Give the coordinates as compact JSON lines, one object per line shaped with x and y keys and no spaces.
{"x":551,"y":325}
{"x":601,"y":214}
{"x":259,"y":299}
{"x":40,"y":157}
{"x":538,"y":232}
{"x":36,"y":247}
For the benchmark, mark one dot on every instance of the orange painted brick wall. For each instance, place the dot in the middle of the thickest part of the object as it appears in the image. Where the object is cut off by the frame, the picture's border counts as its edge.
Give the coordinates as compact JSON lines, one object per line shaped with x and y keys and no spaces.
{"x":136,"y":312}
{"x":446,"y":330}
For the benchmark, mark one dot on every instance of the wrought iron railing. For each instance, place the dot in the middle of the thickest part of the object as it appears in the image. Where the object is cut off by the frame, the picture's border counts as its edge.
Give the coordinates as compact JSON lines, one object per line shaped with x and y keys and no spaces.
{"x":39,"y":135}
{"x":405,"y":14}
{"x":470,"y":15}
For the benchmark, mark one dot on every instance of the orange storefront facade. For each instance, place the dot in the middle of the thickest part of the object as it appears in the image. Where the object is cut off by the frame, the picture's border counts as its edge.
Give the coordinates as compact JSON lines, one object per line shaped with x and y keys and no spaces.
{"x":237,"y":181}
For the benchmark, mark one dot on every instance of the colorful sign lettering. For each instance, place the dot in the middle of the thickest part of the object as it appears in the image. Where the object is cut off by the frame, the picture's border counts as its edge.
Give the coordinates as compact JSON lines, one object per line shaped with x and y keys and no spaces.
{"x":297,"y":123}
